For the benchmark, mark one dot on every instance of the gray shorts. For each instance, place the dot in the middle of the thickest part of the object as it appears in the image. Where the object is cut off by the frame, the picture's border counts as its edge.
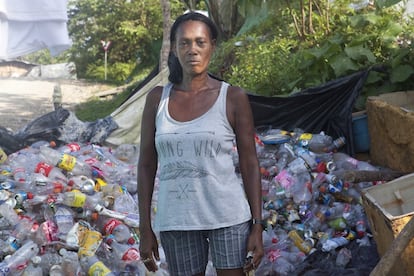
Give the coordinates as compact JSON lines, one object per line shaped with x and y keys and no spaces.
{"x":187,"y":252}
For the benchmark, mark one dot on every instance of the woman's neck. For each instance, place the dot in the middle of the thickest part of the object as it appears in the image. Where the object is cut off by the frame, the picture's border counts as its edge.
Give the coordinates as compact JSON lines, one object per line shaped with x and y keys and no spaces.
{"x":194,"y":84}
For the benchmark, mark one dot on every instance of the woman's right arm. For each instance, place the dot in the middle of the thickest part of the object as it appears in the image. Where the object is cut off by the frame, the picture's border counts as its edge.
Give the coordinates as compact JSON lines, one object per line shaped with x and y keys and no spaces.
{"x":147,"y":168}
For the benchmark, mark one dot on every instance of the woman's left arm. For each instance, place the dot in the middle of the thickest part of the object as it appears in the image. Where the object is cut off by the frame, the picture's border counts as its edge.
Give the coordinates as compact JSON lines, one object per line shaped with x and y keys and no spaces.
{"x":241,"y":118}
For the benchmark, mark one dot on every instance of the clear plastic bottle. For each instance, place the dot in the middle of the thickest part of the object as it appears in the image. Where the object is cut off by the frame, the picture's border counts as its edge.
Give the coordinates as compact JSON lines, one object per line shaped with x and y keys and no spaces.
{"x":333,"y":243}
{"x":64,"y":219}
{"x":315,"y":142}
{"x":70,"y":262}
{"x":307,"y":156}
{"x":64,"y":161}
{"x":343,"y":257}
{"x":124,"y":252}
{"x":343,"y":161}
{"x":91,"y":265}
{"x":130,"y":219}
{"x":13,"y":264}
{"x":76,"y":198}
{"x":52,"y":172}
{"x":43,"y":185}
{"x":284,"y":156}
{"x":83,"y":183}
{"x":33,"y":268}
{"x":56,"y":270}
{"x":116,"y":228}
{"x":72,"y":147}
{"x":335,"y":145}
{"x":302,"y":190}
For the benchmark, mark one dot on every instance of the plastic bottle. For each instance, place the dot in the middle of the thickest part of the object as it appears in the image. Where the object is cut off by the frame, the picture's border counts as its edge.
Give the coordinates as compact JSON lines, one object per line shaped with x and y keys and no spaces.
{"x":64,"y":219}
{"x":284,"y":156}
{"x":114,"y":227}
{"x":125,"y":203}
{"x":8,"y":212}
{"x":52,"y":172}
{"x":13,"y":264}
{"x":130,"y":219}
{"x":69,"y":147}
{"x":43,"y":185}
{"x":304,"y":245}
{"x":337,"y":223}
{"x":335,"y":145}
{"x":343,"y":257}
{"x":70,"y":262}
{"x":335,"y":242}
{"x":343,"y":161}
{"x":46,"y":233}
{"x":76,"y":198}
{"x":33,"y":268}
{"x":64,"y":161}
{"x":56,"y":270}
{"x":127,"y":152}
{"x":308,"y":157}
{"x":83,"y":183}
{"x":302,"y":190}
{"x":315,"y":142}
{"x":124,"y":252}
{"x":93,"y":266}
{"x":317,"y":217}
{"x":49,"y":258}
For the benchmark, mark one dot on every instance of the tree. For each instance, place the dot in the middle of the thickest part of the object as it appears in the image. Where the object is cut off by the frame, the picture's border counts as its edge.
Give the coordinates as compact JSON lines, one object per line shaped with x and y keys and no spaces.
{"x":134,"y":27}
{"x":165,"y":48}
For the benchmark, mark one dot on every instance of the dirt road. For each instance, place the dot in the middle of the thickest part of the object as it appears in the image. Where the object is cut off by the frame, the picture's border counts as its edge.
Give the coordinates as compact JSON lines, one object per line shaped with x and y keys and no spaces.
{"x":23,"y":100}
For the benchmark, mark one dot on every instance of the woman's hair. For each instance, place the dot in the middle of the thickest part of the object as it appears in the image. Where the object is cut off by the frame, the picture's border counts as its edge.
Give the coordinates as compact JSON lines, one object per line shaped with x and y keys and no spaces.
{"x":176,"y":71}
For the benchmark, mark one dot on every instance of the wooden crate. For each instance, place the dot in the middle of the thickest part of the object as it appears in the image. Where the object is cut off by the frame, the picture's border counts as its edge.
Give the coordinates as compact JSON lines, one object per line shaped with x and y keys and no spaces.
{"x":389,"y":207}
{"x":390,"y":123}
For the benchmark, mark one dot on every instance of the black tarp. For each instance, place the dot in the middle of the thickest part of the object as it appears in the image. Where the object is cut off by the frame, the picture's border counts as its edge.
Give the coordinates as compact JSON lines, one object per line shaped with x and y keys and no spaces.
{"x":327,"y":108}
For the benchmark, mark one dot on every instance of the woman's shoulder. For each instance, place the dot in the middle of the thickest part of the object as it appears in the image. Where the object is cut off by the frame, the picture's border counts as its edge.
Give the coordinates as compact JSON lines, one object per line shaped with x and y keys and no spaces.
{"x":236,"y":92}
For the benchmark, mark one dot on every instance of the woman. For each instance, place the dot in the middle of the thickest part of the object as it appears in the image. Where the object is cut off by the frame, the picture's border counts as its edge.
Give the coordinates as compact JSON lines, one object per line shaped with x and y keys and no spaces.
{"x":187,"y":132}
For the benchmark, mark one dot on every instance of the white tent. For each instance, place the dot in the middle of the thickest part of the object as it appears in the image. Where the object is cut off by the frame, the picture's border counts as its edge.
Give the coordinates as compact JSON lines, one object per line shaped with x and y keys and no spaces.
{"x":128,"y":115}
{"x":27,"y":26}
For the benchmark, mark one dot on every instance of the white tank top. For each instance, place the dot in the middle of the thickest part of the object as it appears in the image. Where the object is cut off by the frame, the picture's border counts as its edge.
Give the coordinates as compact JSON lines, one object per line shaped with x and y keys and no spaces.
{"x":198,"y":186}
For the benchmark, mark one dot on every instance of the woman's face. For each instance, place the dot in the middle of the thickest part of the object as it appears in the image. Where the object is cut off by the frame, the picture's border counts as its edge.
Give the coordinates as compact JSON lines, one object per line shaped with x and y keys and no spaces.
{"x":193,"y":47}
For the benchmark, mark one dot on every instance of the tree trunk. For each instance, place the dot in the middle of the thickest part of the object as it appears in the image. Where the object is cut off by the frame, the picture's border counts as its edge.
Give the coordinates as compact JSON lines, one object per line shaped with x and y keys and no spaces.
{"x":226,"y":16}
{"x":165,"y":48}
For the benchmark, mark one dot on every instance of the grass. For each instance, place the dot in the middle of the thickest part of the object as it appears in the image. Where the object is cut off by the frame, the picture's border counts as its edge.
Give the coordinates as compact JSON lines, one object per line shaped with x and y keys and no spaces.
{"x":97,"y":108}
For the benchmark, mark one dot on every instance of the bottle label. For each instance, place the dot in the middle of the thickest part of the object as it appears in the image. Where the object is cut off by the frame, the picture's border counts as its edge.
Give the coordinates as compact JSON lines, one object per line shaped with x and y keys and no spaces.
{"x":132,"y":254}
{"x":98,"y":269}
{"x":43,"y":168}
{"x":78,"y":199}
{"x":305,"y":136}
{"x":110,"y":225}
{"x":89,"y":241}
{"x":3,"y":156}
{"x":67,"y":162}
{"x":73,"y":147}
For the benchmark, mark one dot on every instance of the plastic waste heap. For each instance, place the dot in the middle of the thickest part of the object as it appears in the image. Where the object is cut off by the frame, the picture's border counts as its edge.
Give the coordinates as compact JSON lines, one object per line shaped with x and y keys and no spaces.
{"x":72,"y":209}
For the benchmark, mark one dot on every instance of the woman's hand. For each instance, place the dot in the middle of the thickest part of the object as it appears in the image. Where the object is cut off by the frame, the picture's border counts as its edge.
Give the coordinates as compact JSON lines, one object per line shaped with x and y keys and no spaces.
{"x":254,"y":248}
{"x":148,"y":249}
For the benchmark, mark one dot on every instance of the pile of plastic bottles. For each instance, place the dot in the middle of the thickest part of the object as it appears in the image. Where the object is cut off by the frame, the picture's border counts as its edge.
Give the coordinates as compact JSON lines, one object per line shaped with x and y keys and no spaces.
{"x":306,"y":206}
{"x":72,"y":209}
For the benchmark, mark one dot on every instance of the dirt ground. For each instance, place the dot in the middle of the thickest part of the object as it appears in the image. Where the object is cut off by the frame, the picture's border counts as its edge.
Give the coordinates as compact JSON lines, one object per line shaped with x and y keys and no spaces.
{"x":23,"y":100}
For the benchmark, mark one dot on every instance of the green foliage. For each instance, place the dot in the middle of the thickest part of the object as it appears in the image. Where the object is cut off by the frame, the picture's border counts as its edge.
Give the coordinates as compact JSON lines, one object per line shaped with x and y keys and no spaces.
{"x":283,"y":55}
{"x":117,"y":72}
{"x":133,"y":27}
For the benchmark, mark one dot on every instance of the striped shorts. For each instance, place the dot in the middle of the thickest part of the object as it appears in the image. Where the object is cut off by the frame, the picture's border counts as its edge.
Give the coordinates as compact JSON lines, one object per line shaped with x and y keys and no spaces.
{"x":187,"y":252}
